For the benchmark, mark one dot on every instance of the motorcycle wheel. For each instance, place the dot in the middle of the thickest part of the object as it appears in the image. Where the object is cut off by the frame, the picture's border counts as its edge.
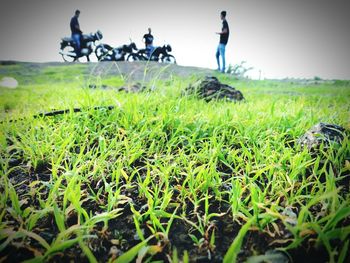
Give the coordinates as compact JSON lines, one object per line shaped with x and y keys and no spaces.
{"x":99,"y":52}
{"x":133,"y":57}
{"x":169,"y":59}
{"x":66,"y":51}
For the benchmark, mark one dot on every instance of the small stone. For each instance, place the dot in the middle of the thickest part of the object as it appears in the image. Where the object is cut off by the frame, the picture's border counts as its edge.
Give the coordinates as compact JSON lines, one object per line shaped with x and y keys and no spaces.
{"x":115,"y":241}
{"x":9,"y":82}
{"x":290,"y":217}
{"x":114,"y":251}
{"x":322,"y":133}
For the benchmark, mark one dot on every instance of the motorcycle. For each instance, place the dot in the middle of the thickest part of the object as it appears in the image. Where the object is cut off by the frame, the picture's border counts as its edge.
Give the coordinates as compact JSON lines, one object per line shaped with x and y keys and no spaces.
{"x":159,"y":54}
{"x":105,"y":52}
{"x":87,"y":44}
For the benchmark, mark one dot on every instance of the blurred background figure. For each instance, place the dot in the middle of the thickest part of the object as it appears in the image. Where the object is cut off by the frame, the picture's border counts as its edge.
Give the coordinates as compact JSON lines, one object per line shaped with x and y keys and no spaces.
{"x":224,"y":34}
{"x":76,"y":32}
{"x":148,"y":39}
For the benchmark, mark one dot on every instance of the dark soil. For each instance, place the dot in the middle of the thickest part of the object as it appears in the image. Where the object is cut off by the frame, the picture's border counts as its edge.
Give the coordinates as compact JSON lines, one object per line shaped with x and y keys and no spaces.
{"x":120,"y":235}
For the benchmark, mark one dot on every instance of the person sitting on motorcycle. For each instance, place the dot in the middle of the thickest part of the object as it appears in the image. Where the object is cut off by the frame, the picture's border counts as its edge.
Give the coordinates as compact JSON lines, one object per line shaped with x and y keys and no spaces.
{"x":76,"y":32}
{"x":148,"y":39}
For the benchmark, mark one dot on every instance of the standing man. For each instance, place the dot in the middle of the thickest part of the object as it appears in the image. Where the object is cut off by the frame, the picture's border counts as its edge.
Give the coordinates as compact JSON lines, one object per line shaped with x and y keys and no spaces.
{"x":76,"y":32}
{"x":148,"y":39}
{"x":224,"y":34}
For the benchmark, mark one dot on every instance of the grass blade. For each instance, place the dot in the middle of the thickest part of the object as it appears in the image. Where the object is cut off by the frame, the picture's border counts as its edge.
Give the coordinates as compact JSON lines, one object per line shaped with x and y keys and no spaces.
{"x":232,"y":252}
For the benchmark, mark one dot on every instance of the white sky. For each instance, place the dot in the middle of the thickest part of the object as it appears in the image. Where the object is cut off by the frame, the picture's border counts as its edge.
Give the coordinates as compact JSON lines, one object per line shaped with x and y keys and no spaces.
{"x":282,"y":38}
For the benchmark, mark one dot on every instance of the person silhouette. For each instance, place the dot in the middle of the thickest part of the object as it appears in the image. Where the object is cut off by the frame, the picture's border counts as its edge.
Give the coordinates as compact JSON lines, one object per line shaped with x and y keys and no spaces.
{"x":224,"y":34}
{"x":76,"y":32}
{"x":148,"y":39}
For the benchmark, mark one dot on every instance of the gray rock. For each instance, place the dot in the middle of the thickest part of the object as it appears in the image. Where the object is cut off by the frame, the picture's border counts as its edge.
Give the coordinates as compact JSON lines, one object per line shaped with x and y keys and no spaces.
{"x":9,"y":82}
{"x":322,"y":133}
{"x":211,"y":88}
{"x":271,"y":256}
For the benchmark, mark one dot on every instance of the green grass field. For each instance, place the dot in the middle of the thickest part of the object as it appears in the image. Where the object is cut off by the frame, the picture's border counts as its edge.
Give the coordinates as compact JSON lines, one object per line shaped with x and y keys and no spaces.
{"x":164,"y":177}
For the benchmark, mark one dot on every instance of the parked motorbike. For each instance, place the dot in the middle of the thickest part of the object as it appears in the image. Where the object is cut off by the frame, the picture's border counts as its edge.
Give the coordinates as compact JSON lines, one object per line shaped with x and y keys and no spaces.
{"x":159,"y":54}
{"x":105,"y":52}
{"x":87,"y":44}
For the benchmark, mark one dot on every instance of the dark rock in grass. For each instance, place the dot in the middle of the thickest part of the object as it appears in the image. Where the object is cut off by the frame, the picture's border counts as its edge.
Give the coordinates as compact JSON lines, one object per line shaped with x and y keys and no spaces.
{"x":94,"y":86}
{"x":322,"y":133}
{"x":134,"y":88}
{"x":211,"y":88}
{"x":14,"y":162}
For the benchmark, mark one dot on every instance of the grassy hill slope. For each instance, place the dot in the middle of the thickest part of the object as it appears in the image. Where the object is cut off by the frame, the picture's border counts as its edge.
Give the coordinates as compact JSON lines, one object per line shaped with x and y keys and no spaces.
{"x":163,"y":176}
